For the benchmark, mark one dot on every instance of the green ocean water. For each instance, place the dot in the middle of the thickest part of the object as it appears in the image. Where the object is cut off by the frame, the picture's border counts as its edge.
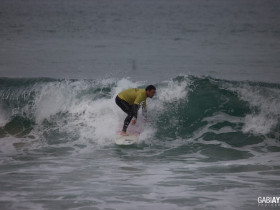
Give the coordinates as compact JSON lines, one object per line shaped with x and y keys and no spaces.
{"x":209,"y":144}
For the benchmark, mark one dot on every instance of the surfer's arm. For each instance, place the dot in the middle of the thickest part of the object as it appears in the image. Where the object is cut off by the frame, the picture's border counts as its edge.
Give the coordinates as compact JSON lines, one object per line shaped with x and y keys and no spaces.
{"x":134,"y":113}
{"x":137,"y":103}
{"x":135,"y":108}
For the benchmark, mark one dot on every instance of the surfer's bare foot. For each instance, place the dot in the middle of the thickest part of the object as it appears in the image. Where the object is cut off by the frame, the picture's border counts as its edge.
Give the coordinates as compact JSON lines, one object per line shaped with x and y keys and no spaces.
{"x":124,"y":133}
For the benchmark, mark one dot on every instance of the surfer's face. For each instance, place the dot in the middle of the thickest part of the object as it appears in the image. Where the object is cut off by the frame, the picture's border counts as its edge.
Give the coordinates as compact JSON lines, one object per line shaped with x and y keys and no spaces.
{"x":151,"y":93}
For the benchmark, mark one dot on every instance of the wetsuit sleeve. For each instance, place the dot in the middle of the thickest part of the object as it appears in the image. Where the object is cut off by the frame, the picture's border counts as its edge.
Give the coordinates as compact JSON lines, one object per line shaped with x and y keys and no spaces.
{"x":135,"y":108}
{"x":137,"y":102}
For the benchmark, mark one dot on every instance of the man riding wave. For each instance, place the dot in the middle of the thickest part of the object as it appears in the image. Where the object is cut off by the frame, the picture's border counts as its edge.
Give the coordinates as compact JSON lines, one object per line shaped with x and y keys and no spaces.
{"x":130,"y":101}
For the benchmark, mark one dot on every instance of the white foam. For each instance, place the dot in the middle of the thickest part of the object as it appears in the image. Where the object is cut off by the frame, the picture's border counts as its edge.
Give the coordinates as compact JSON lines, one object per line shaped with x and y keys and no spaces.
{"x":89,"y":117}
{"x":170,"y":92}
{"x":3,"y":117}
{"x":102,"y":117}
{"x":54,"y":97}
{"x":266,"y":101}
{"x":93,"y":120}
{"x":123,"y":84}
{"x":173,"y":91}
{"x":8,"y":145}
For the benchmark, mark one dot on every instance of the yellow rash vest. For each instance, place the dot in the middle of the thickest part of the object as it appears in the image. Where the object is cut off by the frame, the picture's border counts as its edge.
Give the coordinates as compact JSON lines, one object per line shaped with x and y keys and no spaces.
{"x":134,"y":96}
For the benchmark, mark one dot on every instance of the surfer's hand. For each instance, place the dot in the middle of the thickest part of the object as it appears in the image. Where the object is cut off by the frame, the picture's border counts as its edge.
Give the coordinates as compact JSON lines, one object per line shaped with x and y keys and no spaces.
{"x":133,"y":122}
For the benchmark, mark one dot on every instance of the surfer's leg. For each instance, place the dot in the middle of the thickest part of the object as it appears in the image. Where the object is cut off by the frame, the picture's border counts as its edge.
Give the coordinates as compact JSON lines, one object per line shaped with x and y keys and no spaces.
{"x":127,"y":121}
{"x":127,"y":109}
{"x":123,"y":105}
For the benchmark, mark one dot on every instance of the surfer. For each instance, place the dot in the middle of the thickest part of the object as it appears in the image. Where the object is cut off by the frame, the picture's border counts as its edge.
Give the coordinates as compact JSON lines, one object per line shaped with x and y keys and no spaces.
{"x":130,"y":100}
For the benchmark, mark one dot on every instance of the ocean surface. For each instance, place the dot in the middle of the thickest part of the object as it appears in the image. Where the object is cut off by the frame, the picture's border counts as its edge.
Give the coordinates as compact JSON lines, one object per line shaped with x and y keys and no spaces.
{"x":209,"y":144}
{"x":152,"y":40}
{"x":212,"y":138}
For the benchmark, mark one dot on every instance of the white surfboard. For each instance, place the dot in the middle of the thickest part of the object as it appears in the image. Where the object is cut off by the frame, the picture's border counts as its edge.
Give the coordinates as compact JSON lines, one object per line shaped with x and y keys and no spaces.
{"x":131,"y":138}
{"x":126,"y":140}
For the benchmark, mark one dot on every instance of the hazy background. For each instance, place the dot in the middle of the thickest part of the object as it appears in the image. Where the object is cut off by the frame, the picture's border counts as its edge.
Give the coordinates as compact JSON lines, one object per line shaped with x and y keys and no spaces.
{"x":146,"y":40}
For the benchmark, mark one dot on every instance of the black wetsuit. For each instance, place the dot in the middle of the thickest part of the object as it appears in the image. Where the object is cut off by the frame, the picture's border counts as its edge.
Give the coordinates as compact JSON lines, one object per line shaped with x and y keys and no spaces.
{"x":130,"y":110}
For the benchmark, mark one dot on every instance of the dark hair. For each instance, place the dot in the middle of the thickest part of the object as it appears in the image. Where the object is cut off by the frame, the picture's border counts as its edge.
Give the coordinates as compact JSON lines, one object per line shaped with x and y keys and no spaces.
{"x":150,"y":87}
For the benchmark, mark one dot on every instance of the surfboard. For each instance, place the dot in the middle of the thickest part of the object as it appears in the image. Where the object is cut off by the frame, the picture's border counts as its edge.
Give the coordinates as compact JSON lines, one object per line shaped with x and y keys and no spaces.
{"x":131,"y":138}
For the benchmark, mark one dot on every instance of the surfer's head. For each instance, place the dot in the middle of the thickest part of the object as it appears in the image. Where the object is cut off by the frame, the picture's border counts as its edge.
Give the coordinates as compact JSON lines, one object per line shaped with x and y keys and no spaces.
{"x":150,"y":91}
